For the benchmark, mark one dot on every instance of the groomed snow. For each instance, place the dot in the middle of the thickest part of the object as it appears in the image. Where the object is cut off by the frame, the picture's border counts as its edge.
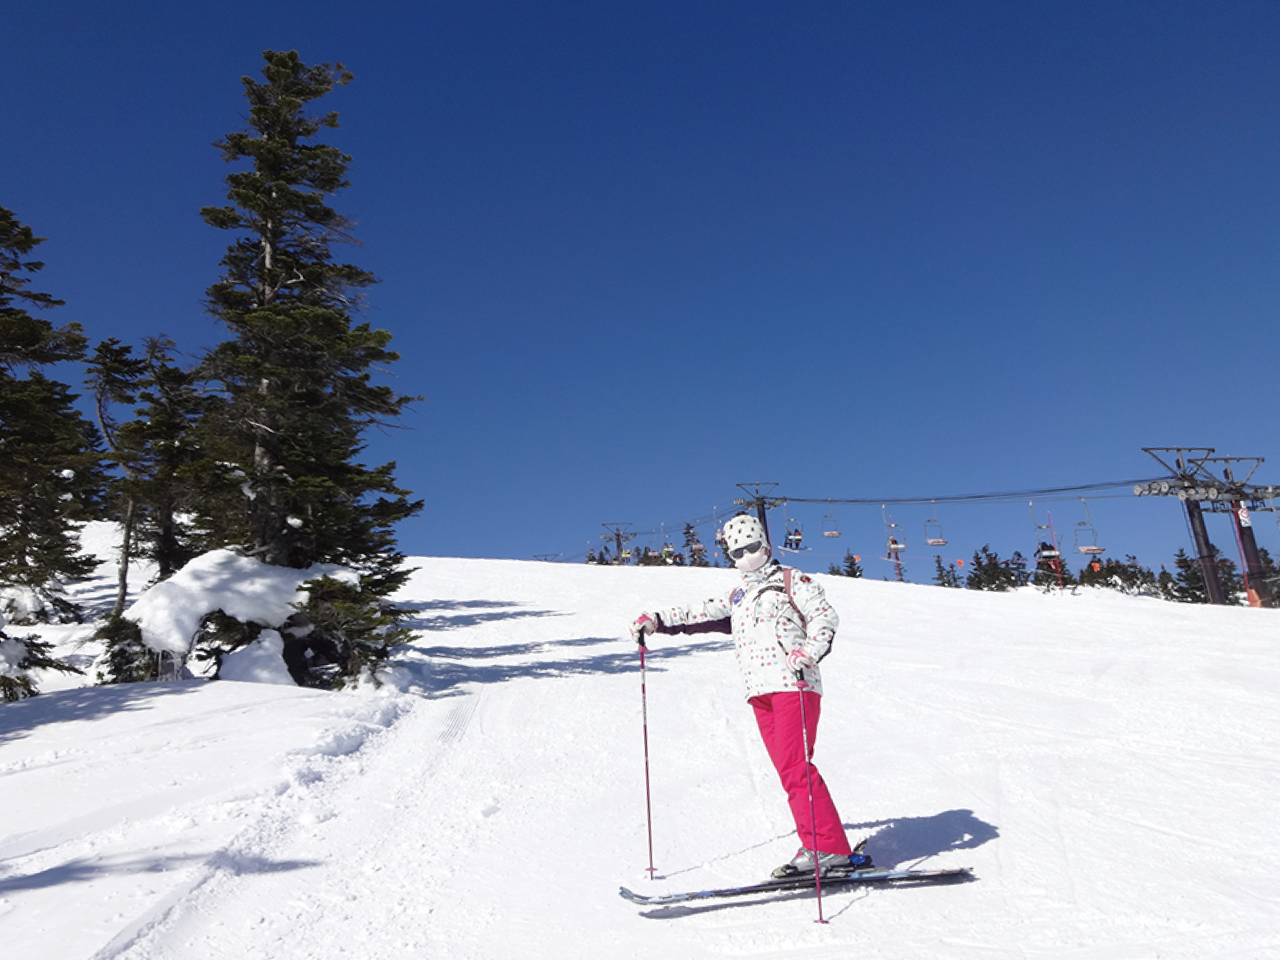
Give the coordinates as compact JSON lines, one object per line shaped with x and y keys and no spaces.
{"x":1106,"y":765}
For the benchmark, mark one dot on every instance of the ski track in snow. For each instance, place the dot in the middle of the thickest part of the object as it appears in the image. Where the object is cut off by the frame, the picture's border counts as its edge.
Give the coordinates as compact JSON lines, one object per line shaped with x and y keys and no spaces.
{"x":1106,"y":765}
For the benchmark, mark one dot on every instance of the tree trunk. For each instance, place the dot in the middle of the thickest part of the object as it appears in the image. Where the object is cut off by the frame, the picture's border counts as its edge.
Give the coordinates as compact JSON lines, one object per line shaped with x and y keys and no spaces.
{"x":126,"y":548}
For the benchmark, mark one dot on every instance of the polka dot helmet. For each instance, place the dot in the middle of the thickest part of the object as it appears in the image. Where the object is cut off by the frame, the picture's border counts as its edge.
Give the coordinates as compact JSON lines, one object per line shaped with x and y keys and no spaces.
{"x":743,"y":530}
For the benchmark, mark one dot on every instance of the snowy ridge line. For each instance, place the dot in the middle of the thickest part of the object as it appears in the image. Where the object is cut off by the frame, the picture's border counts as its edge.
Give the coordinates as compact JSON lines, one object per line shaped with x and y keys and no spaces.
{"x":298,"y":800}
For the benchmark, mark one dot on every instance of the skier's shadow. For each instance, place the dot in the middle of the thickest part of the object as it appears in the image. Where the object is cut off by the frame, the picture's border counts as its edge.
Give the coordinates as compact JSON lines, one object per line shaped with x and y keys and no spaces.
{"x":908,"y":841}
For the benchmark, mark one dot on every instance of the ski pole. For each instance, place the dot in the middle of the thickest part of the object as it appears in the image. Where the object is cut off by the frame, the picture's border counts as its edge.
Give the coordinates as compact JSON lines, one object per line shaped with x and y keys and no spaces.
{"x":801,"y":687}
{"x":644,"y":716}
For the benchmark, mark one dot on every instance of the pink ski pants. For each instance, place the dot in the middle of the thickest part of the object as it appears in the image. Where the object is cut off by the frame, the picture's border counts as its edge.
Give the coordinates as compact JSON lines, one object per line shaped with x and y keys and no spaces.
{"x":778,"y":716}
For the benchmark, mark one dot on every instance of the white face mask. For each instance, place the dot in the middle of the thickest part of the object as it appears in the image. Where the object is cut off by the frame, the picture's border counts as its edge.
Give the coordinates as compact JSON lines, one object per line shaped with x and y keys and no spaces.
{"x":751,"y":562}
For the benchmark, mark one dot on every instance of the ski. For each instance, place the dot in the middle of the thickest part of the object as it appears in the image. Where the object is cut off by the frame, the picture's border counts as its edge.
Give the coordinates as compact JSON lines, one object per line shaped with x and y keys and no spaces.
{"x":830,"y":881}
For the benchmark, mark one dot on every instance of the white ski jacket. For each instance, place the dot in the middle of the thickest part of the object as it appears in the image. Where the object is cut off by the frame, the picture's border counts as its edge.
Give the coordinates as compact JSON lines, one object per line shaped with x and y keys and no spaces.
{"x":765,"y":626}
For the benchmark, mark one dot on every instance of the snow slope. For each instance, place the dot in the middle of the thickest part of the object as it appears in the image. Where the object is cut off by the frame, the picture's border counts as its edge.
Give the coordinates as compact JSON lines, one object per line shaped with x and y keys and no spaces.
{"x":1107,"y":766}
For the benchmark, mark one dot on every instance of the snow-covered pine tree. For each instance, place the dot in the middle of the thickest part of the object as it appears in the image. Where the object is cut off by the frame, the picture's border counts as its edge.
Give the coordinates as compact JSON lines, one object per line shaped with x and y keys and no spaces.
{"x":50,"y":475}
{"x":293,"y":390}
{"x":147,"y":497}
{"x":18,"y":657}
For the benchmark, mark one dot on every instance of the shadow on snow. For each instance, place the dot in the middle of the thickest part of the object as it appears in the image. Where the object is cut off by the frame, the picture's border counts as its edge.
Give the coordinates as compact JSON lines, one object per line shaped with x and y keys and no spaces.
{"x":83,"y":870}
{"x":443,"y":615}
{"x":911,"y":840}
{"x":86,"y":703}
{"x":441,"y":671}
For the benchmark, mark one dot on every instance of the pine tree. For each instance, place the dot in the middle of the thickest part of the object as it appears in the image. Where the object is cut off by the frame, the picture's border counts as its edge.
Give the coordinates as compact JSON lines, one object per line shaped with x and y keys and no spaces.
{"x":1189,"y":584}
{"x":693,"y":547}
{"x":991,"y":573}
{"x":945,"y":575}
{"x":18,"y":657}
{"x":293,"y":392}
{"x":1269,"y":570}
{"x":154,"y":450}
{"x":151,"y":449}
{"x":50,"y":477}
{"x":1128,"y":576}
{"x":850,"y":567}
{"x":1231,"y":580}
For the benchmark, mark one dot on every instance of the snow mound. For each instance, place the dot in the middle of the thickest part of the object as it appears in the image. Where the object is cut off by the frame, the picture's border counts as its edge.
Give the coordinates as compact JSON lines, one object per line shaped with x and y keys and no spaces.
{"x":260,"y":662}
{"x":241,"y":587}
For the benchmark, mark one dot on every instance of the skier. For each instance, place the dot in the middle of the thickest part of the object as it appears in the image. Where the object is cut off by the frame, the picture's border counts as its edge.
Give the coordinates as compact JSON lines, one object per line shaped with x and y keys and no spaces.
{"x":782,"y":625}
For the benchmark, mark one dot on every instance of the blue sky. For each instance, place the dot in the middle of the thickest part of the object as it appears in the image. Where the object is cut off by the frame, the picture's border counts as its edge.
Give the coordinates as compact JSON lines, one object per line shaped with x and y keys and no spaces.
{"x":634,"y":255}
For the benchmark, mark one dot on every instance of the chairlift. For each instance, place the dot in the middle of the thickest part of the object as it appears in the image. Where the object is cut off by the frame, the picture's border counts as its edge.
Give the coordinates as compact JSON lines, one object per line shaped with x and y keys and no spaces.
{"x":668,"y":548}
{"x":895,"y":544}
{"x":1046,"y":542}
{"x":933,"y":534}
{"x":794,"y":540}
{"x":829,"y":526}
{"x":1086,"y":535}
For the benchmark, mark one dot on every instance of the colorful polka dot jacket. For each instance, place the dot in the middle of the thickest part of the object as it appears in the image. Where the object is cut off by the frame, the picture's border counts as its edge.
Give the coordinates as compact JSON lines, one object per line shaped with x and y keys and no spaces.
{"x":766,"y":626}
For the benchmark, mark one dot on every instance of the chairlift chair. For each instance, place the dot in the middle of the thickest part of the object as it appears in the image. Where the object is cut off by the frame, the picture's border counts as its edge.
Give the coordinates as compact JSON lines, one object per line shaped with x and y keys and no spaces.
{"x":794,"y":539}
{"x":1086,"y":535}
{"x":933,"y":534}
{"x":829,"y":526}
{"x":894,"y":544}
{"x":1046,"y":542}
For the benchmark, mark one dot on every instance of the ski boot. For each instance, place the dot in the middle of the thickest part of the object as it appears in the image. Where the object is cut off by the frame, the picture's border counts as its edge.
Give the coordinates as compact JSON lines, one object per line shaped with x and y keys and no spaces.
{"x":828,"y":863}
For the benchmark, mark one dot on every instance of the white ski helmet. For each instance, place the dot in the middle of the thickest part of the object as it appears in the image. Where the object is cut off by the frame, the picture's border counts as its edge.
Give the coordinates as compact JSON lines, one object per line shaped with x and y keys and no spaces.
{"x":742,"y":531}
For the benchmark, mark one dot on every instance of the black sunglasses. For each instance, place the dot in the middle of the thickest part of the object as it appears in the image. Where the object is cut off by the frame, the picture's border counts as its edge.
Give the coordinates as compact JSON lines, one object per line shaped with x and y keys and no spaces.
{"x":737,"y":553}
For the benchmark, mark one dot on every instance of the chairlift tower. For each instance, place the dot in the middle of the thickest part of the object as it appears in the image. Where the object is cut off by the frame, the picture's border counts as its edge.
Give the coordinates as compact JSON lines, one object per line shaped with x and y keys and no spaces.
{"x":618,"y":531}
{"x":1238,"y":494}
{"x":1187,"y":483}
{"x":759,"y":499}
{"x":1194,"y":482}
